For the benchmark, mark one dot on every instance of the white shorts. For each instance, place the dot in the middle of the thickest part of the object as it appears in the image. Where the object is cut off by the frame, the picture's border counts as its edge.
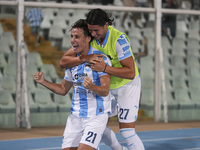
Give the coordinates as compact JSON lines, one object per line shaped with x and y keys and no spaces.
{"x":127,"y":100}
{"x":88,"y":131}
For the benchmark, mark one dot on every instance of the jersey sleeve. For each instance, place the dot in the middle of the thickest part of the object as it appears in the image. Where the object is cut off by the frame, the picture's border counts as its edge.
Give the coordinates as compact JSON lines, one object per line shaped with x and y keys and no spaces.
{"x":123,"y":48}
{"x":68,"y":75}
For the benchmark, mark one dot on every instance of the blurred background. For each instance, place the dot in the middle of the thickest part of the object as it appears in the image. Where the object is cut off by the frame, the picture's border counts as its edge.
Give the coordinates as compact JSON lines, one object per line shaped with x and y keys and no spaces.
{"x":164,"y":36}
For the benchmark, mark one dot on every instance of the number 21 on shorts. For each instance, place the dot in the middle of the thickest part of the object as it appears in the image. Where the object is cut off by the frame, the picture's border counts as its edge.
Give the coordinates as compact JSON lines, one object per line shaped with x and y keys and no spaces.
{"x":91,"y":137}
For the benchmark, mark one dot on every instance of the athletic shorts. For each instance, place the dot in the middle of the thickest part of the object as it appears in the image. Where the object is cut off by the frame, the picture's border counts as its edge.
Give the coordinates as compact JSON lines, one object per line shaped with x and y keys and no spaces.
{"x":126,"y":101}
{"x":88,"y":131}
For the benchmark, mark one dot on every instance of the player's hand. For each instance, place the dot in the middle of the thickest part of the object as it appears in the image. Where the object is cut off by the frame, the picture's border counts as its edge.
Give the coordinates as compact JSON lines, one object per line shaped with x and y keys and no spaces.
{"x":92,"y":58}
{"x":87,"y":82}
{"x":39,"y":77}
{"x":100,"y":66}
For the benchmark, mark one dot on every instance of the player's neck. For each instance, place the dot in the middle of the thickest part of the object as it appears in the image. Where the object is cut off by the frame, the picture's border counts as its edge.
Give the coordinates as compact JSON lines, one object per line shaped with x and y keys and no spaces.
{"x":101,"y":40}
{"x":85,"y":51}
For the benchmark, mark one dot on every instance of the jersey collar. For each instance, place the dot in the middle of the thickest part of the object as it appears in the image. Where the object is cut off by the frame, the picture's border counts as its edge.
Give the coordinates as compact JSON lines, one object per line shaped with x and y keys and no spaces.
{"x":105,"y":40}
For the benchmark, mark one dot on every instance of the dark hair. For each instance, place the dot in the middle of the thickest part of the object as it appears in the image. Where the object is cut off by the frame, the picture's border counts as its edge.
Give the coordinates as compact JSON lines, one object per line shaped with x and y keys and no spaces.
{"x":82,"y":24}
{"x":99,"y":17}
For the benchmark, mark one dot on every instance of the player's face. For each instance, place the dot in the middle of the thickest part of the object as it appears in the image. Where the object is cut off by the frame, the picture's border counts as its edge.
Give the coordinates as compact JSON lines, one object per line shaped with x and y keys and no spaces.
{"x":80,"y":43}
{"x":98,"y":32}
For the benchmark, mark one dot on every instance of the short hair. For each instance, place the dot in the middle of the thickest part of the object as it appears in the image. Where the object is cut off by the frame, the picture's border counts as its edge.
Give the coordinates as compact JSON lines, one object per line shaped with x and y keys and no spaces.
{"x":99,"y":17}
{"x":82,"y":24}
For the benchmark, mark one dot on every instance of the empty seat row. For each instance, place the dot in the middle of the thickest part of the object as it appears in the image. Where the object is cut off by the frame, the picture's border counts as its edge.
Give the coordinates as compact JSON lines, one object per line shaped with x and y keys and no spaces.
{"x":43,"y":111}
{"x":43,"y":99}
{"x":183,"y":105}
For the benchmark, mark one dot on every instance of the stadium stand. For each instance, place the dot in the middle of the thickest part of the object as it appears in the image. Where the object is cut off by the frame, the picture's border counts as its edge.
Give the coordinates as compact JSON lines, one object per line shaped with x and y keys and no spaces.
{"x":147,"y":101}
{"x":7,"y":109}
{"x":63,"y":104}
{"x":34,"y":58}
{"x":9,"y":83}
{"x":66,"y":44}
{"x":31,"y":70}
{"x":172,"y":106}
{"x":4,"y":49}
{"x":185,"y":104}
{"x":181,"y":65}
{"x":10,"y":70}
{"x":2,"y":60}
{"x":47,"y":109}
{"x":8,"y":54}
{"x":30,"y":83}
{"x":49,"y":70}
{"x":193,"y":61}
{"x":8,"y":38}
{"x":179,"y":47}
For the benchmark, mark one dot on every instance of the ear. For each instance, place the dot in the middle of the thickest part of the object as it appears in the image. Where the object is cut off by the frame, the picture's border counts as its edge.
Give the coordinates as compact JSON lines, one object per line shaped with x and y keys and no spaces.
{"x":88,"y":39}
{"x":106,"y":25}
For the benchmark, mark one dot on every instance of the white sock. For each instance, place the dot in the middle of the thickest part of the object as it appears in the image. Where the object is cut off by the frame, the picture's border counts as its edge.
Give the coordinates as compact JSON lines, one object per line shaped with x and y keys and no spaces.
{"x":132,"y":139}
{"x":110,"y":139}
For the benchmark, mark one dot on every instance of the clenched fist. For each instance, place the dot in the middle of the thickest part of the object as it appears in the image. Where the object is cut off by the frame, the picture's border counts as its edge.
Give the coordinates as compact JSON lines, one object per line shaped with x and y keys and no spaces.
{"x":87,"y":82}
{"x":39,"y":77}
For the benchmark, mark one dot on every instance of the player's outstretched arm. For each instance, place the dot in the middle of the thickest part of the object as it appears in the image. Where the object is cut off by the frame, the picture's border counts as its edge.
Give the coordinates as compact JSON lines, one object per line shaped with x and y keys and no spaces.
{"x":61,"y":89}
{"x":103,"y":89}
{"x":69,"y":59}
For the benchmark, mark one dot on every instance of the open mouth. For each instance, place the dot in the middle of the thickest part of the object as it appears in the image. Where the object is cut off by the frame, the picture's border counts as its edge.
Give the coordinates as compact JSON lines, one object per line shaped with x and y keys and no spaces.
{"x":75,"y":46}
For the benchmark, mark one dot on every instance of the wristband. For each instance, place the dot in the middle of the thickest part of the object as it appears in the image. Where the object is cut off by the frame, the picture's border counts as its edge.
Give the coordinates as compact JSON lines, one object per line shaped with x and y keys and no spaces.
{"x":105,"y":68}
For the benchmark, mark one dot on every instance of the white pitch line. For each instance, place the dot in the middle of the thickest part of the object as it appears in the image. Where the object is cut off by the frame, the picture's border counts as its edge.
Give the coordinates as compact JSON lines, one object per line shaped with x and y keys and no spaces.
{"x":168,"y":139}
{"x":46,"y":148}
{"x":190,"y":149}
{"x":153,"y":140}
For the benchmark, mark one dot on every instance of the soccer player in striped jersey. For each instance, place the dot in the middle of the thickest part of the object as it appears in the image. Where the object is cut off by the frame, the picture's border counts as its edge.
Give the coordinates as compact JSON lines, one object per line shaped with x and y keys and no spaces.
{"x":125,"y":81}
{"x":91,"y":102}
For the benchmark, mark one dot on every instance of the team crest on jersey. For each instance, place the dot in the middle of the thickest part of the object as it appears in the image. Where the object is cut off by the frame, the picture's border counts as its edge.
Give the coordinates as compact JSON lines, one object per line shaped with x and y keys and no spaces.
{"x":87,"y":67}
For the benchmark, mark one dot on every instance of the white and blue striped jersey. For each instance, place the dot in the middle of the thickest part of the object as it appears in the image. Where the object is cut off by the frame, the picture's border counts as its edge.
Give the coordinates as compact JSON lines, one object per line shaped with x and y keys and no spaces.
{"x":86,"y":103}
{"x":123,"y":48}
{"x":35,"y":17}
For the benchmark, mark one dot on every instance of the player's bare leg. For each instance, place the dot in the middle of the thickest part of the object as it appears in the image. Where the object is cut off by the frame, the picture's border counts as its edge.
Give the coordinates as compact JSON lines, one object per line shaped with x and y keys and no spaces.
{"x":70,"y":148}
{"x":84,"y":147}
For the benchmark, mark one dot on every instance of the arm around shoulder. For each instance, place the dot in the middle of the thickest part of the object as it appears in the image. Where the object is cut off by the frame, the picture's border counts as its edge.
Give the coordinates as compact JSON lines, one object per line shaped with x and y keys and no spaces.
{"x":69,"y":59}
